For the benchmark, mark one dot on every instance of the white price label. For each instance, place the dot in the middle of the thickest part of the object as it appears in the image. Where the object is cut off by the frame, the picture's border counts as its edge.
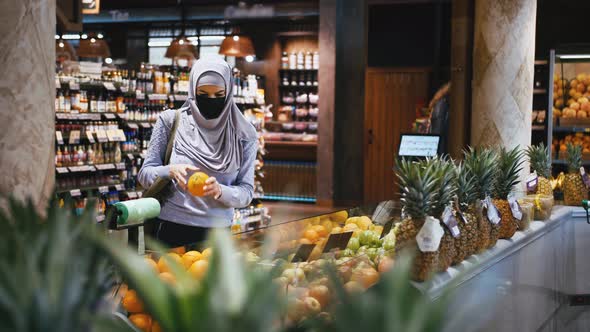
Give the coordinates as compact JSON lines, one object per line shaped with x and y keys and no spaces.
{"x":515,"y":208}
{"x":103,"y":189}
{"x":61,"y":170}
{"x":75,"y":193}
{"x":109,"y":86}
{"x":120,"y":187}
{"x":531,"y":182}
{"x":492,"y":214}
{"x":59,"y":138}
{"x":90,"y":137}
{"x":430,"y":235}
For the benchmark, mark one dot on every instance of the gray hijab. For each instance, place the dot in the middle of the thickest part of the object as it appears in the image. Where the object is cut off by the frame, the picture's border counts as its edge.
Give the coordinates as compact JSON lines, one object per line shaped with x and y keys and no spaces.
{"x":215,"y":144}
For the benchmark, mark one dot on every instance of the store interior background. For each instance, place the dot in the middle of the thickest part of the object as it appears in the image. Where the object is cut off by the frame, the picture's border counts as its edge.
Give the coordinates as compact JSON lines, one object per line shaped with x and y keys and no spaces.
{"x":380,"y":61}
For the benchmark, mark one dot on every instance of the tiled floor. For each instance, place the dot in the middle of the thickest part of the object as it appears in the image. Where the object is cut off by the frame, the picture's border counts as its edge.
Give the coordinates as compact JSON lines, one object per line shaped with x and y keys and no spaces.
{"x":282,"y":211}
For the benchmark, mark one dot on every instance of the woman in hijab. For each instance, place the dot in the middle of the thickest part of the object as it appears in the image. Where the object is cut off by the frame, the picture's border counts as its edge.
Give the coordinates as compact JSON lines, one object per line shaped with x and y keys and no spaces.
{"x":212,"y":137}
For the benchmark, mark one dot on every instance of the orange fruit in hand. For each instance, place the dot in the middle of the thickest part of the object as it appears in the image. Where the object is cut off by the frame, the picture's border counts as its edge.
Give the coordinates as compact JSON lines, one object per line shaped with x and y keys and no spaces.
{"x":142,"y":322}
{"x":190,"y":257}
{"x":196,"y":183}
{"x":163,"y":264}
{"x":168,"y":278}
{"x":311,"y":235}
{"x":199,"y":269}
{"x":131,"y":302}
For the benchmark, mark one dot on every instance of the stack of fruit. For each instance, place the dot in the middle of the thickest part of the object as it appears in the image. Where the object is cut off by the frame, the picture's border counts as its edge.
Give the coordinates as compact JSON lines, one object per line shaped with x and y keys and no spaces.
{"x":194,"y":262}
{"x":575,"y":94}
{"x":576,"y":139}
{"x":559,"y":86}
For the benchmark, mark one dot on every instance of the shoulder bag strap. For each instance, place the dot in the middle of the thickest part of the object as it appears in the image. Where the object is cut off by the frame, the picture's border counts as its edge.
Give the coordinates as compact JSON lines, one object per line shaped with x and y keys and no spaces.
{"x":171,"y":138}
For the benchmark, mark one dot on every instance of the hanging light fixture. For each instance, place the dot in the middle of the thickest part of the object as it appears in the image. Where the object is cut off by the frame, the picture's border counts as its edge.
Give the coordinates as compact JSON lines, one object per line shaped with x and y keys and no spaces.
{"x":64,"y":51}
{"x":181,"y":47}
{"x":238,"y":46}
{"x":93,"y":47}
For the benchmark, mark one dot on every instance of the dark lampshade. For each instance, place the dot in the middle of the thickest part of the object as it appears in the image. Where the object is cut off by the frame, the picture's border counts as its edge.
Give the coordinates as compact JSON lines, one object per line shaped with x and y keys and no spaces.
{"x":64,"y":51}
{"x":238,"y":46}
{"x":181,"y":47}
{"x":93,"y":48}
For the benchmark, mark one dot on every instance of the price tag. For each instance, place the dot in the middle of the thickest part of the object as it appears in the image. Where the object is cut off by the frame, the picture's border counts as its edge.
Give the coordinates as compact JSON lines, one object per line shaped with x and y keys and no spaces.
{"x":103,"y":167}
{"x":139,"y":95}
{"x":124,"y":89}
{"x":132,"y":125}
{"x":119,"y":187}
{"x":75,"y":193}
{"x":59,"y":138}
{"x":430,"y":235}
{"x":492,"y":212}
{"x":74,"y":137}
{"x":120,"y":166}
{"x":515,"y":208}
{"x":450,"y":221}
{"x":91,"y":168}
{"x":302,"y":253}
{"x":180,"y":97}
{"x":145,"y":125}
{"x":531,"y":182}
{"x":386,"y":228}
{"x":109,"y":86}
{"x":132,"y":194}
{"x":337,"y":241}
{"x":110,"y":116}
{"x":103,"y":189}
{"x":585,"y":177}
{"x":90,"y":137}
{"x":61,"y":116}
{"x":57,"y":83}
{"x":101,"y":136}
{"x":61,"y":170}
{"x":74,"y":85}
{"x":139,"y":194}
{"x":121,"y":135}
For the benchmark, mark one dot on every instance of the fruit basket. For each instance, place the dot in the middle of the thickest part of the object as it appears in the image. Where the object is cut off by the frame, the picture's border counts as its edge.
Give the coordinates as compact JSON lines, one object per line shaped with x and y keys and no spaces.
{"x":542,"y":204}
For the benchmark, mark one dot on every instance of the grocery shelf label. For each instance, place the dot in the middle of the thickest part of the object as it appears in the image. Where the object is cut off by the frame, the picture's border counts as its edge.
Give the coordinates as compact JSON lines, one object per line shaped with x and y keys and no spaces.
{"x":109,"y":86}
{"x":75,"y":193}
{"x":585,"y":177}
{"x":145,"y":125}
{"x":124,"y":89}
{"x":74,"y":137}
{"x":450,"y":221}
{"x":303,"y":252}
{"x":531,"y":182}
{"x":337,"y":241}
{"x":386,"y":228}
{"x":515,"y":208}
{"x":110,"y":116}
{"x":120,"y":166}
{"x":132,"y":126}
{"x":74,"y":85}
{"x":90,"y":137}
{"x":61,"y":170}
{"x":104,"y":167}
{"x":59,"y":138}
{"x":101,"y":136}
{"x":430,"y":235}
{"x":492,"y":211}
{"x":132,"y":194}
{"x":119,"y":187}
{"x":103,"y":189}
{"x":121,"y":135}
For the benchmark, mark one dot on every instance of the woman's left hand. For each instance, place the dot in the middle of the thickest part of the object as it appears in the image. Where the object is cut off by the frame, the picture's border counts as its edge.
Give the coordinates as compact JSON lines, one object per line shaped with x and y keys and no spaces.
{"x":212,"y":188}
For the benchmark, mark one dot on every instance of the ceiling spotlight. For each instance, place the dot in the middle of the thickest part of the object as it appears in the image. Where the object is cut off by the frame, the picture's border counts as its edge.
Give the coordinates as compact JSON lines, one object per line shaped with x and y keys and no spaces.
{"x":99,"y":36}
{"x":57,"y":37}
{"x":249,"y":58}
{"x":84,"y":36}
{"x":181,"y":41}
{"x":92,"y":40}
{"x":108,"y":61}
{"x":61,"y":44}
{"x":236,"y":38}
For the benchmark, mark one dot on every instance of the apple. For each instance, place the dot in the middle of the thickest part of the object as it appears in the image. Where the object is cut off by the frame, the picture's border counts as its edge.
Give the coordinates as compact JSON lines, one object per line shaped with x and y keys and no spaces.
{"x":312,"y":306}
{"x":320,"y":293}
{"x":353,"y":244}
{"x":296,"y":310}
{"x":353,"y":287}
{"x":294,"y":275}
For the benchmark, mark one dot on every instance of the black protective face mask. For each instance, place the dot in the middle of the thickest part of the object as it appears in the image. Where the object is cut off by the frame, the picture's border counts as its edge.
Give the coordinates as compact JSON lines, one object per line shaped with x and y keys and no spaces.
{"x":210,"y":108}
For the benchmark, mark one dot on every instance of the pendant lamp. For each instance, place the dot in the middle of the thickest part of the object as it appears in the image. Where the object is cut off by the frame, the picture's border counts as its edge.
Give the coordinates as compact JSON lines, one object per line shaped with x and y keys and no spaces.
{"x":93,"y":47}
{"x":238,"y":46}
{"x":64,"y":51}
{"x":181,"y":47}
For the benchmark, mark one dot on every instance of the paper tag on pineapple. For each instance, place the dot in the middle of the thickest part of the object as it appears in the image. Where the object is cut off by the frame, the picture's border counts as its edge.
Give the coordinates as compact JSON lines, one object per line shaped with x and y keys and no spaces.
{"x":430,"y":235}
{"x":515,"y":208}
{"x":450,"y":221}
{"x":492,"y":212}
{"x":531,"y":182}
{"x":585,"y":177}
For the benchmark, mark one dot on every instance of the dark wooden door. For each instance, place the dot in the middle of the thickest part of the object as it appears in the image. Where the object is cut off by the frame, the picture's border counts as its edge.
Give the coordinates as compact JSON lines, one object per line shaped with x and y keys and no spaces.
{"x":391,"y":98}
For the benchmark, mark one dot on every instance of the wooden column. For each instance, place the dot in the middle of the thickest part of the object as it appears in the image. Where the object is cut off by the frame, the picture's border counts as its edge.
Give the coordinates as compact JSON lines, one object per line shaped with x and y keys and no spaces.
{"x":343,"y":30}
{"x":461,"y":73}
{"x":27,"y":96}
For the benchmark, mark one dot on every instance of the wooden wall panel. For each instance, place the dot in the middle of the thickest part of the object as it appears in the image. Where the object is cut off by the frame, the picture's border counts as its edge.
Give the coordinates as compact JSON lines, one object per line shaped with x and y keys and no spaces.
{"x":391,"y":96}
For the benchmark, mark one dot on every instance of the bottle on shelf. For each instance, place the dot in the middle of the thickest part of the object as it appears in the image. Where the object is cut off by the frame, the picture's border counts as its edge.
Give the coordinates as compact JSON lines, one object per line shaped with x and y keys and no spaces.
{"x":93,"y":102}
{"x":67,"y":158}
{"x":308,"y":60}
{"x":61,"y":101}
{"x":67,"y":102}
{"x":316,"y":60}
{"x":75,"y":101}
{"x":101,"y":104}
{"x":300,"y":60}
{"x":83,"y":102}
{"x":58,"y":158}
{"x":89,"y":155}
{"x":57,"y":100}
{"x":117,"y":154}
{"x":285,"y":61}
{"x":293,"y":60}
{"x":111,"y":105}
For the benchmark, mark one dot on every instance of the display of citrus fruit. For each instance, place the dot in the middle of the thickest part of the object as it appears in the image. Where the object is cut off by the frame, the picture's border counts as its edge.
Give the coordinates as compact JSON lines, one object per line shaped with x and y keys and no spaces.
{"x":311,"y":235}
{"x":191,"y":257}
{"x":131,"y":302}
{"x":199,"y":269}
{"x":196,"y":183}
{"x":142,"y":322}
{"x":163,"y":264}
{"x":321,"y":230}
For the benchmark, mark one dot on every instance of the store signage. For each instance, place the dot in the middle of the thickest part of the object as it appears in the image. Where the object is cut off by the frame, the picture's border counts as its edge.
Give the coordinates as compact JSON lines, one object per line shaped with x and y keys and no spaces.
{"x":303,"y":252}
{"x":386,"y":228}
{"x":243,"y":11}
{"x":415,"y":145}
{"x":90,"y":6}
{"x":118,"y":15}
{"x":337,"y":241}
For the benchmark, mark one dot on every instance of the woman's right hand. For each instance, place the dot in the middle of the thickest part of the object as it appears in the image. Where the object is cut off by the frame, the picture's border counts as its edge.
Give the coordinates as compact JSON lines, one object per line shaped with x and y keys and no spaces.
{"x":179,"y":173}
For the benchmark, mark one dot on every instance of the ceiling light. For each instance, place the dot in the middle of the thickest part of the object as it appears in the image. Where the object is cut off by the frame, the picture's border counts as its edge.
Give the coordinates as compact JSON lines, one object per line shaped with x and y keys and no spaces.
{"x":57,"y":37}
{"x":61,"y":44}
{"x":92,"y":40}
{"x":108,"y":61}
{"x":240,"y":47}
{"x":71,"y":36}
{"x":574,"y":56}
{"x":100,"y":36}
{"x":84,"y":36}
{"x":249,"y":58}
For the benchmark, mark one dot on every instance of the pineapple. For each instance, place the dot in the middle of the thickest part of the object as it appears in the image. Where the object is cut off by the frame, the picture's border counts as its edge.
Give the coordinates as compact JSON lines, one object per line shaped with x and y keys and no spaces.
{"x":509,"y":164}
{"x":574,"y":190}
{"x":445,"y":187}
{"x":466,"y":244}
{"x":418,"y":193}
{"x":539,"y":160}
{"x":481,"y":164}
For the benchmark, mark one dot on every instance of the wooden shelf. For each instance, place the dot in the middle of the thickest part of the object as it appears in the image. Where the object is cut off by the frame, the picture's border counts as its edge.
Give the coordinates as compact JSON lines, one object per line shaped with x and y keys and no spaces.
{"x":541,"y":62}
{"x":539,"y":91}
{"x":297,"y":70}
{"x":538,"y":127}
{"x":291,"y":143}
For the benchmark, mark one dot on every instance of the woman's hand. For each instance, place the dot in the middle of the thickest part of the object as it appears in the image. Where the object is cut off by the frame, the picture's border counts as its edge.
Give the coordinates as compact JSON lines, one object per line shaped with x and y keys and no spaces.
{"x":179,"y":174}
{"x":212,"y":188}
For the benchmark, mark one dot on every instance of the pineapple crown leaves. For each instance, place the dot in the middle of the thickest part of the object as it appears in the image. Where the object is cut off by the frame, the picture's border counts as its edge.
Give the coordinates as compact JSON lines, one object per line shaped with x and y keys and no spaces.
{"x":465,"y":185}
{"x":444,"y":170}
{"x":417,"y":181}
{"x":480,"y":162}
{"x":574,"y":157}
{"x":538,"y":156}
{"x":509,"y":163}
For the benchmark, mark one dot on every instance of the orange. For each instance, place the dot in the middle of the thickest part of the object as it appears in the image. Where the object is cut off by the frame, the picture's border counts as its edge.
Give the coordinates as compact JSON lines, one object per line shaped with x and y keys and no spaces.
{"x":350,"y":228}
{"x":336,"y":230}
{"x":156,"y":327}
{"x":152,"y":264}
{"x":366,"y":276}
{"x":190,"y":257}
{"x":142,"y":322}
{"x":199,"y":269}
{"x":163,"y":264}
{"x":321,"y":230}
{"x":179,"y":250}
{"x":304,"y":241}
{"x":196,"y":183}
{"x":131,"y":302}
{"x":311,"y":235}
{"x":168,"y":278}
{"x":207,"y":253}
